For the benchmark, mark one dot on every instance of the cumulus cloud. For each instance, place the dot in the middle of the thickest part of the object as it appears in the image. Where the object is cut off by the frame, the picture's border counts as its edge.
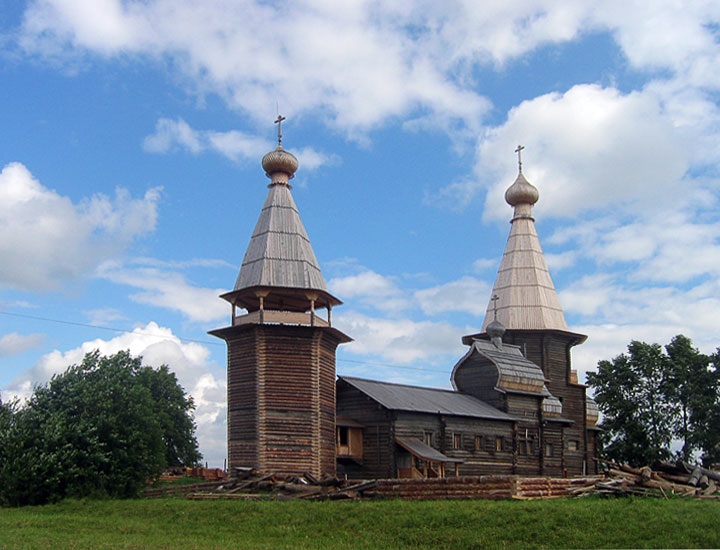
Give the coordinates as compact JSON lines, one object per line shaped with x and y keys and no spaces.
{"x":168,"y":289}
{"x":46,"y":239}
{"x":629,"y":150}
{"x":157,"y":345}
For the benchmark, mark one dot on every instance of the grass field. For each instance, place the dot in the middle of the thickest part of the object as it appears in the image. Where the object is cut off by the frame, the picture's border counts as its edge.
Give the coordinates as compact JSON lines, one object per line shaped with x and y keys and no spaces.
{"x":183,"y":524}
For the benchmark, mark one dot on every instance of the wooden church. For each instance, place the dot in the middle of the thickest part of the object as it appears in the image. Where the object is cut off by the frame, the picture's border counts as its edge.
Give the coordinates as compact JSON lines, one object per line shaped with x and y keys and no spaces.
{"x":516,"y":406}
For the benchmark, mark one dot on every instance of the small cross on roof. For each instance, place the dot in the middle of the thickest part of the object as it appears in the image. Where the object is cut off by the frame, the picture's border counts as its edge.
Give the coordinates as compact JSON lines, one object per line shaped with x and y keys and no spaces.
{"x":278,"y":121}
{"x":519,"y":151}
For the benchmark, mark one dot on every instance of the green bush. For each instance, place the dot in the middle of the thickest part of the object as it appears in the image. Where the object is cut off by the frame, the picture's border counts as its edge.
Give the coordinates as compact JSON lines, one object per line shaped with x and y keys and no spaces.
{"x":102,"y":428}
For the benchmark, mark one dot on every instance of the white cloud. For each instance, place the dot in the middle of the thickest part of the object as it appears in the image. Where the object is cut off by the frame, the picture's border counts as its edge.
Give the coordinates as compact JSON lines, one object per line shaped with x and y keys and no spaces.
{"x":401,"y":340}
{"x":372,"y":289}
{"x":171,"y":135}
{"x":466,"y":294}
{"x":481,"y":265}
{"x":168,"y":289}
{"x":629,"y":151}
{"x":46,"y":239}
{"x":357,"y":65}
{"x":157,"y":345}
{"x":15,"y":344}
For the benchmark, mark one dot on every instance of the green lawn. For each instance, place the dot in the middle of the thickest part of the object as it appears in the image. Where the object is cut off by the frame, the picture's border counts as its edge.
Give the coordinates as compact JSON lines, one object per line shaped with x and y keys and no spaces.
{"x":179,"y":523}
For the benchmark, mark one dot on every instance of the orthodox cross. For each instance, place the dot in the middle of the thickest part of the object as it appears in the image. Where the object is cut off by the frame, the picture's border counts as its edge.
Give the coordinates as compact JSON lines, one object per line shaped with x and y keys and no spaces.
{"x":494,"y":299}
{"x":519,"y":151}
{"x":278,"y":121}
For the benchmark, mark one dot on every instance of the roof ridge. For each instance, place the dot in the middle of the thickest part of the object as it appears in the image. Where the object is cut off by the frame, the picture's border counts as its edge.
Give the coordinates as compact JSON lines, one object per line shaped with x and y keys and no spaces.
{"x":405,"y":385}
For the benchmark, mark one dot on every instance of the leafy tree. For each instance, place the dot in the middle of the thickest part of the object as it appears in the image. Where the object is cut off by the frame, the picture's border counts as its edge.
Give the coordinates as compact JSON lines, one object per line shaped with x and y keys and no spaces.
{"x":174,"y":412}
{"x":693,"y":393}
{"x":631,"y":392}
{"x":98,"y":429}
{"x":707,"y":423}
{"x":650,"y":398}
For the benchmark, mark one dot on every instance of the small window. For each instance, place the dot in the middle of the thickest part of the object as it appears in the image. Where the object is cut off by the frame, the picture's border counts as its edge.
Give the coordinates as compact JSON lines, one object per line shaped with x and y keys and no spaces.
{"x":427,"y":438}
{"x":572,"y":445}
{"x":526,"y":446}
{"x":478,"y":442}
{"x":548,"y":449}
{"x":498,"y":443}
{"x":457,"y":441}
{"x":342,"y":435}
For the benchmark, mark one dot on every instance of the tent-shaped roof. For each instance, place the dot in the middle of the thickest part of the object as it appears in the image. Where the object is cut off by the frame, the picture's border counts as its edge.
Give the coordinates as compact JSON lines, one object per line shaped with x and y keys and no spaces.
{"x":527,"y":298}
{"x":279,"y":253}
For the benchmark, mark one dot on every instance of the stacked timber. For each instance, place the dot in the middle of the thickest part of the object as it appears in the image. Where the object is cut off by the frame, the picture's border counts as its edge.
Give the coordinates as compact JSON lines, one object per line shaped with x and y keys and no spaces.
{"x":550,"y":487}
{"x":662,"y":480}
{"x":466,"y":487}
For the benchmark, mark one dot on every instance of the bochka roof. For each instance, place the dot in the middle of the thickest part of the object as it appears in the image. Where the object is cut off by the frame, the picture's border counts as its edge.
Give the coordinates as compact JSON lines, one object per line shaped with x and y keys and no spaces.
{"x":399,"y":397}
{"x":279,"y":253}
{"x":515,"y":372}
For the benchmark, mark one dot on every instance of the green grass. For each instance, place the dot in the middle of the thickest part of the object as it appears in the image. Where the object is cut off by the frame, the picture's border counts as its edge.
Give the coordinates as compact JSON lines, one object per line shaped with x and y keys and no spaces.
{"x":181,"y":524}
{"x":185,"y":480}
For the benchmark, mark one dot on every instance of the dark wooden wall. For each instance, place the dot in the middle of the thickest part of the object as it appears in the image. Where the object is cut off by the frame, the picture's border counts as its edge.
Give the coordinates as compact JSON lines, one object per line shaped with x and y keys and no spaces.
{"x":378,"y":461}
{"x":551,"y":351}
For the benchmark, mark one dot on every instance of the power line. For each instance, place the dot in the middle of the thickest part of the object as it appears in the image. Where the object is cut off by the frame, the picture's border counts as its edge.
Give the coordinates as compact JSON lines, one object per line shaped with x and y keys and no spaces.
{"x":183,"y":339}
{"x":385,"y":365}
{"x":161,"y":336}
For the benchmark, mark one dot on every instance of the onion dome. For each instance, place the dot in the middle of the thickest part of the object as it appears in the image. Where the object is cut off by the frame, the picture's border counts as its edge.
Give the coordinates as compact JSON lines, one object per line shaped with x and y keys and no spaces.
{"x":495,"y":331}
{"x":280,"y":161}
{"x":521,"y":192}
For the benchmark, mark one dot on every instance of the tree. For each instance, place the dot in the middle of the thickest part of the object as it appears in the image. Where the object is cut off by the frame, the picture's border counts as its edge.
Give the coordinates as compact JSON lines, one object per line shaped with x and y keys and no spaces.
{"x":174,"y":412}
{"x":693,"y":392}
{"x":631,"y":393}
{"x":97,"y":429}
{"x":650,"y":399}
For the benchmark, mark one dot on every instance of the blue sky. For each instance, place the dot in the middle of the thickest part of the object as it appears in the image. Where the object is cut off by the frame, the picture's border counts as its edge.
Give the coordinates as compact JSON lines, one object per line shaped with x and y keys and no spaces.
{"x":131,"y":135}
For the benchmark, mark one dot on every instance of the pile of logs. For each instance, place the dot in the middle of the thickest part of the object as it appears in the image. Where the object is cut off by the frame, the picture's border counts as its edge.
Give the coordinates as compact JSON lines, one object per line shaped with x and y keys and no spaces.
{"x":250,"y":484}
{"x":662,"y":480}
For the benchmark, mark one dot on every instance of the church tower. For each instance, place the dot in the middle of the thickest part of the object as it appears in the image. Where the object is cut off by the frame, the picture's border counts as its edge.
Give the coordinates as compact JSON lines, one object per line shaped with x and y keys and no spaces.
{"x":281,"y":349}
{"x":527,"y":305}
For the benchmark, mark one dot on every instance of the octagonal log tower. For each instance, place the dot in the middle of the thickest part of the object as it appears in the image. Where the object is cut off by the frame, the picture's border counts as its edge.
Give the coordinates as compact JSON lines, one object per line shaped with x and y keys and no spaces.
{"x":281,"y":349}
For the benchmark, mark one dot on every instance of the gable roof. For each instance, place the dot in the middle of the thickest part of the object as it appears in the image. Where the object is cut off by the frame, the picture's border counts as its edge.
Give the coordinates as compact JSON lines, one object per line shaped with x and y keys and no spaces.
{"x":400,"y":397}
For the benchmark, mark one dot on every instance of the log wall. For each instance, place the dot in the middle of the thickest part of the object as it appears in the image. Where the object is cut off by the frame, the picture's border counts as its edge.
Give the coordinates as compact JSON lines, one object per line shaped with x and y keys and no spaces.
{"x":551,"y":351}
{"x":281,"y":398}
{"x":477,"y":487}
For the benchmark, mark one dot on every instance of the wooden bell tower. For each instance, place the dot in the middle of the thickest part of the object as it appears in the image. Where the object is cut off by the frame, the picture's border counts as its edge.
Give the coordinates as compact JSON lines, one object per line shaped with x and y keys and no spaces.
{"x":281,"y":348}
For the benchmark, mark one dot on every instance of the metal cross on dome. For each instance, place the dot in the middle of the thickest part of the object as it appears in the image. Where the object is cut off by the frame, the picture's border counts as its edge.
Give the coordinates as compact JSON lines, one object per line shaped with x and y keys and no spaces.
{"x":519,"y":151}
{"x":278,"y":121}
{"x":495,"y":299}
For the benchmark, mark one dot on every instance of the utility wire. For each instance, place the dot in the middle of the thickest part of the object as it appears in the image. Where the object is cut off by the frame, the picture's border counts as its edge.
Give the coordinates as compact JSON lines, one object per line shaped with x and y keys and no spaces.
{"x":161,"y":336}
{"x":182,"y":339}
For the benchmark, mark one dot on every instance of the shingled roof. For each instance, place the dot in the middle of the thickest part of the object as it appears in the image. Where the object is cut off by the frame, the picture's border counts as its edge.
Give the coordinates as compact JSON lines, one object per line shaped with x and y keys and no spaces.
{"x":527,"y":295}
{"x":400,"y":397}
{"x":279,"y":253}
